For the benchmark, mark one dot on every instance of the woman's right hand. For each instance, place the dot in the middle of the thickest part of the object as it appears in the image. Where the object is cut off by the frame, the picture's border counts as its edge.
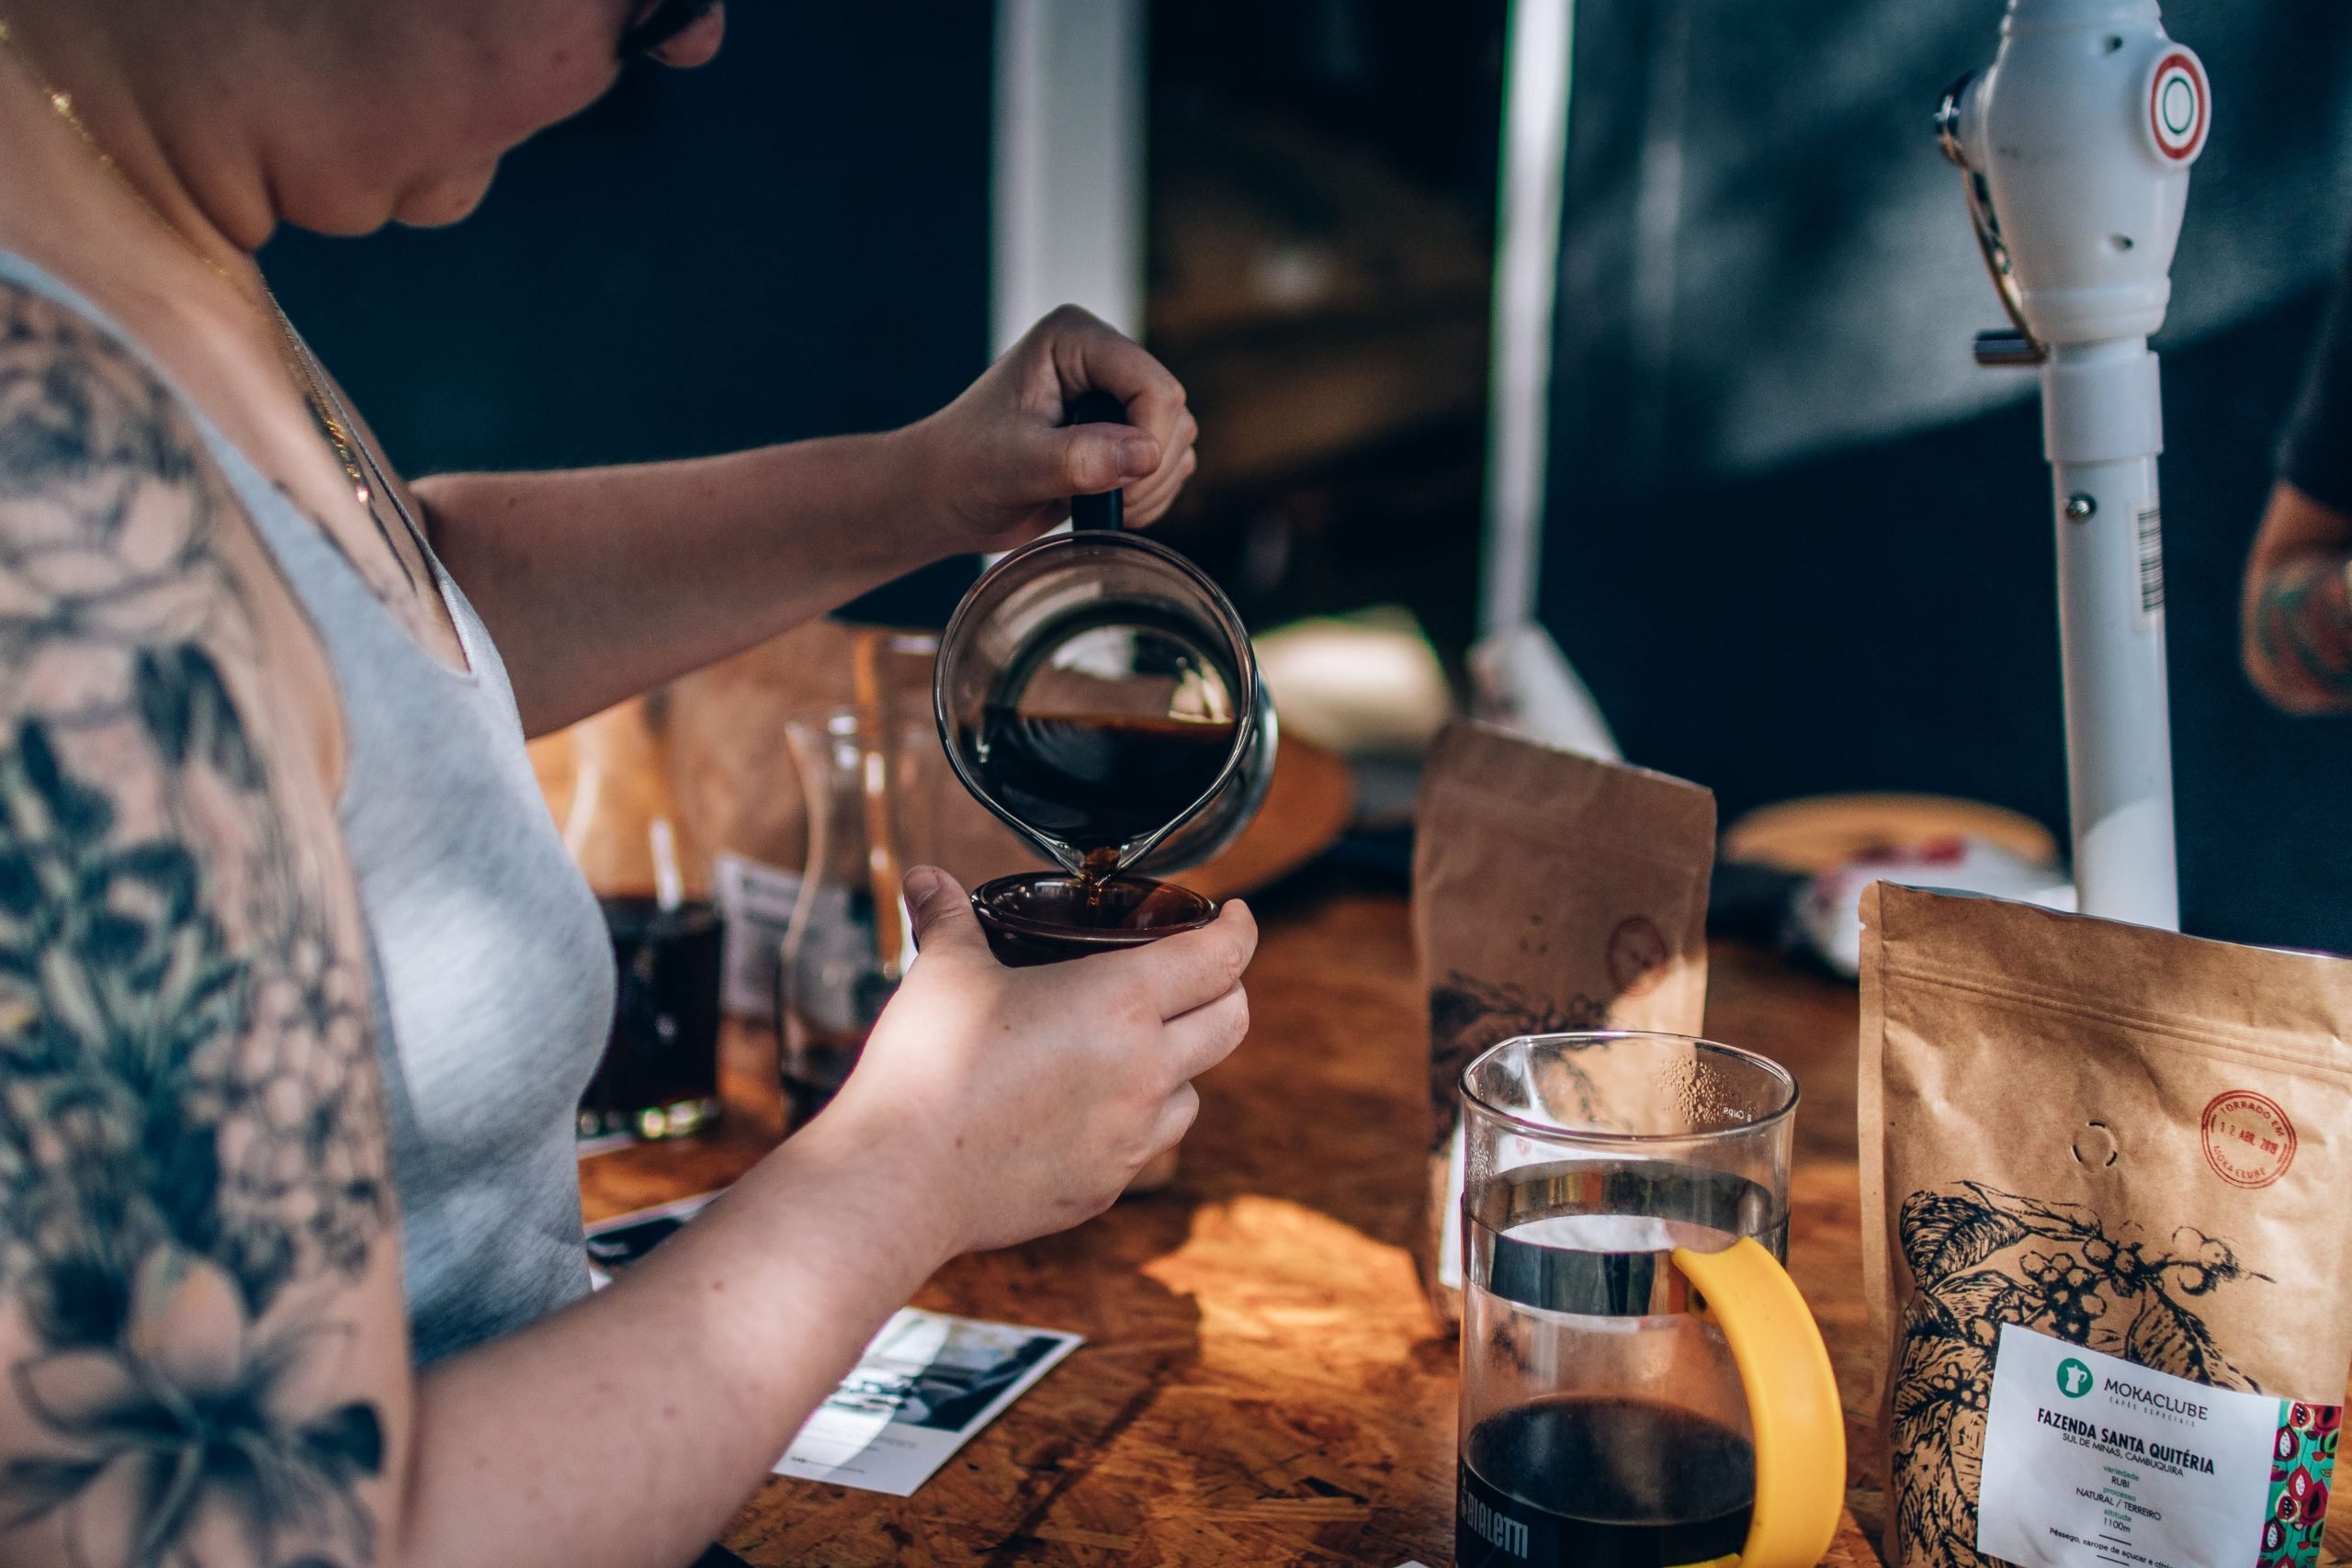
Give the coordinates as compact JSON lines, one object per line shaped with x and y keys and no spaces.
{"x":1020,"y":1101}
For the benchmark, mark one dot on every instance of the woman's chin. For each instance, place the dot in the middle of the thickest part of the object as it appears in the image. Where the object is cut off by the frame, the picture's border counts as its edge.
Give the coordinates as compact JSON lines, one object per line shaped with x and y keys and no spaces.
{"x":430,"y":204}
{"x":439,"y":203}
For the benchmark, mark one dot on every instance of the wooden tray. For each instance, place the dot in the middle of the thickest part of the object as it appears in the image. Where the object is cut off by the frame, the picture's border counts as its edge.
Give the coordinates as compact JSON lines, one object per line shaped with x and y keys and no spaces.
{"x":1821,"y":832}
{"x":1313,"y":795}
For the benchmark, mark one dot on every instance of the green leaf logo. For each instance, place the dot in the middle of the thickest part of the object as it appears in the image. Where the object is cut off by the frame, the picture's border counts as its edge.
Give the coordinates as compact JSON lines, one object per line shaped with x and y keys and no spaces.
{"x":2075,"y":1379}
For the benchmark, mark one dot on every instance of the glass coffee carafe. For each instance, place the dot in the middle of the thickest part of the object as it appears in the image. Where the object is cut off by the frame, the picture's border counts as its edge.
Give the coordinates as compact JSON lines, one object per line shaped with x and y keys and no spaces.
{"x":658,"y":1075}
{"x":1099,"y":693}
{"x":869,"y":780}
{"x":1642,"y":1385}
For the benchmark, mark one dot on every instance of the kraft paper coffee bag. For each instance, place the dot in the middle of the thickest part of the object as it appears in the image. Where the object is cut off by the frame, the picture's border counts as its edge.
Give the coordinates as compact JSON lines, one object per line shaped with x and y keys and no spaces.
{"x":2105,"y":1177}
{"x":1551,"y":892}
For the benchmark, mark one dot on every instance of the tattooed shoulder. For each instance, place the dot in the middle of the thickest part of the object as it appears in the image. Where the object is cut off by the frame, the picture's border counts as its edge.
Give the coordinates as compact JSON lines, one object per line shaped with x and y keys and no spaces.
{"x":192,"y":1157}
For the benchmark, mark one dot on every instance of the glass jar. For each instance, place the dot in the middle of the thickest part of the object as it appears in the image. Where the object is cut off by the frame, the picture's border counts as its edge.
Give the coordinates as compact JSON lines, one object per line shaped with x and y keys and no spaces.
{"x":658,"y":1075}
{"x":1099,"y":693}
{"x":872,"y":786}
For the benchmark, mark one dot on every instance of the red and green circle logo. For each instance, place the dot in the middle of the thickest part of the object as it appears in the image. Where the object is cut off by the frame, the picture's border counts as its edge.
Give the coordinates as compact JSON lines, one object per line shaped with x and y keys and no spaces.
{"x":2180,"y":106}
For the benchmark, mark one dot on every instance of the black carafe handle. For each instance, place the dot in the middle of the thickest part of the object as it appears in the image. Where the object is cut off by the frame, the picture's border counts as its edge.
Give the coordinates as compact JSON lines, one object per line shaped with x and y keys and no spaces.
{"x":1108,"y":510}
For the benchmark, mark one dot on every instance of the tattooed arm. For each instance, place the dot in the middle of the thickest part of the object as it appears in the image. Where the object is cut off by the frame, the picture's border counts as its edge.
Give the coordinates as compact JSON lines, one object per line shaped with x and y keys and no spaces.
{"x":194,"y":1207}
{"x":203,"y":1352}
{"x":2297,"y":611}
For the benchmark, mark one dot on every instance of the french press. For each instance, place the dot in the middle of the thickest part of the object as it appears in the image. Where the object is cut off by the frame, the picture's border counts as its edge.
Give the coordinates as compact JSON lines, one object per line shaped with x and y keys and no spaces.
{"x":1642,"y":1384}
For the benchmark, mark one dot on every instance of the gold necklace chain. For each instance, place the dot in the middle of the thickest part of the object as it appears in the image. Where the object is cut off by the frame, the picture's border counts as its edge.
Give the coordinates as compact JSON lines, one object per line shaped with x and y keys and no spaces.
{"x":359,"y":465}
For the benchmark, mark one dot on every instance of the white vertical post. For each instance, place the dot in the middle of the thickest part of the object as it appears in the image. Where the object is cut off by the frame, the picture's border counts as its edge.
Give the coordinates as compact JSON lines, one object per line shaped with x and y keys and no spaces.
{"x":1527,"y":251}
{"x":1068,"y":209}
{"x":2102,"y":421}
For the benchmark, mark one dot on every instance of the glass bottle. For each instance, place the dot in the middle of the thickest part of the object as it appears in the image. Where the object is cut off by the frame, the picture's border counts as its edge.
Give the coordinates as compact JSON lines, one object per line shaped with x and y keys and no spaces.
{"x":659,"y":1077}
{"x":870,"y":781}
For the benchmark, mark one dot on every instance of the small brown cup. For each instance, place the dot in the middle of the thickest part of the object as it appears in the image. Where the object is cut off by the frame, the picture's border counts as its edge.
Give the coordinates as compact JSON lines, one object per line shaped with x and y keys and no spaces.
{"x":1042,"y":916}
{"x":1032,"y":917}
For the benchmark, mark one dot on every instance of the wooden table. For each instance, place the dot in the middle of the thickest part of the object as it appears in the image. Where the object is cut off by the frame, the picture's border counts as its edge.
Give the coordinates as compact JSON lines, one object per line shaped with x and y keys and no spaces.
{"x":1262,"y":1381}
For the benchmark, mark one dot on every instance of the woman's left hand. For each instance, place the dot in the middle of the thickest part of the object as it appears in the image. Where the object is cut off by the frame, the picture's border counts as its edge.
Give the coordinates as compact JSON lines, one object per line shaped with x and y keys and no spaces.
{"x":1000,"y":465}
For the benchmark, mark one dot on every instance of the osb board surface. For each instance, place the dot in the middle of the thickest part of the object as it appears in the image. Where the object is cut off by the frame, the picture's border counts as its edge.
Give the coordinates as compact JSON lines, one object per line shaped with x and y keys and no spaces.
{"x":1261,"y":1382}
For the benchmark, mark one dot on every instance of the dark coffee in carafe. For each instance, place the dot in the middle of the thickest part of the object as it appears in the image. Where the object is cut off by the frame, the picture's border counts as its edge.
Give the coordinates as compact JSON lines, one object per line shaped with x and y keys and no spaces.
{"x":1578,"y":1482}
{"x":1098,"y":782}
{"x":1099,"y":693}
{"x":1112,"y":723}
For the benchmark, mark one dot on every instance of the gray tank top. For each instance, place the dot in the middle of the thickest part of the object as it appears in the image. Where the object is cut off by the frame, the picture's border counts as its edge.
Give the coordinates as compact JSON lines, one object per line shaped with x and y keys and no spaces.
{"x":492,"y":975}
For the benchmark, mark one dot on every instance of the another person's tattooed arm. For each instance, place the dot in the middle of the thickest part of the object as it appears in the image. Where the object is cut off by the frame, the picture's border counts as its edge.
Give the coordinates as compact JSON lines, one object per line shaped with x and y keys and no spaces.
{"x":202,"y":1350}
{"x":2297,"y":609}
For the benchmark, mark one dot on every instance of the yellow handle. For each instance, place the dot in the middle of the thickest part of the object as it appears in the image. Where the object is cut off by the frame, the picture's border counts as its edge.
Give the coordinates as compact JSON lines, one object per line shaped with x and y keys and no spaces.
{"x":1792,"y":1402}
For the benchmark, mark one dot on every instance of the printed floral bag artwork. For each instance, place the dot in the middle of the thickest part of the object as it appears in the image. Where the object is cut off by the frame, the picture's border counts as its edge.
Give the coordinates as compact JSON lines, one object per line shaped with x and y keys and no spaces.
{"x":1980,"y":1258}
{"x":1550,"y":893}
{"x":2090,"y":1131}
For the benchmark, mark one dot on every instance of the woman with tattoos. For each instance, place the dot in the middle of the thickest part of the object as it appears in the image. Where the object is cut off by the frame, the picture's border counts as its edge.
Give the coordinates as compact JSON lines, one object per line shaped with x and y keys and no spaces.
{"x":296,"y":988}
{"x":2297,"y":613}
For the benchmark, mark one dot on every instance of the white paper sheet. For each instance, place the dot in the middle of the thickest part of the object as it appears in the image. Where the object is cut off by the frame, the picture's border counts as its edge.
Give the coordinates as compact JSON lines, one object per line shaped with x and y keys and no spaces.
{"x":925,"y":1384}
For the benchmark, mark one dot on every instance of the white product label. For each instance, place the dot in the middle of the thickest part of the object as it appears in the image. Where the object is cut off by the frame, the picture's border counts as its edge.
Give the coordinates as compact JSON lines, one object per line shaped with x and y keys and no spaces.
{"x":756,"y":902}
{"x":2092,"y":1460}
{"x":2148,"y":536}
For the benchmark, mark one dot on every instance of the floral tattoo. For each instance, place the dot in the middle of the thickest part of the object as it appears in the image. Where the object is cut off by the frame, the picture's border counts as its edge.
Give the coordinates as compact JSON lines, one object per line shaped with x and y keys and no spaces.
{"x":192,"y":1156}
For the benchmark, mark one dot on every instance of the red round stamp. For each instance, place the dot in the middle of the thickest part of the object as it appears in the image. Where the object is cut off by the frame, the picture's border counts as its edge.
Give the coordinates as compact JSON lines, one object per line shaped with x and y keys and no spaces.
{"x":1638,"y":956}
{"x":2249,"y":1142}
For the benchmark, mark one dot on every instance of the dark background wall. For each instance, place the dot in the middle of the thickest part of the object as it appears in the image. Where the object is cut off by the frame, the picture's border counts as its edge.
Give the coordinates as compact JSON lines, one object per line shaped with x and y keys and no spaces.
{"x":1321,"y":224}
{"x":1798,"y":542}
{"x":792,"y":241}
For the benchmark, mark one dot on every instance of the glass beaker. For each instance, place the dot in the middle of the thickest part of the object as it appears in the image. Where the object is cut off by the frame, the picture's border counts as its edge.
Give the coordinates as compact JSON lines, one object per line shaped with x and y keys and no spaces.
{"x":1641,"y":1382}
{"x":1099,"y":693}
{"x":872,"y":786}
{"x":658,"y":1075}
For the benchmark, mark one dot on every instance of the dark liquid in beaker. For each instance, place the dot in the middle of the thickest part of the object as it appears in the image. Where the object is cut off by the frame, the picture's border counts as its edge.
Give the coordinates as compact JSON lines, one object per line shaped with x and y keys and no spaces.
{"x":1098,"y":782}
{"x":660,"y":1073}
{"x":1602,"y":1483}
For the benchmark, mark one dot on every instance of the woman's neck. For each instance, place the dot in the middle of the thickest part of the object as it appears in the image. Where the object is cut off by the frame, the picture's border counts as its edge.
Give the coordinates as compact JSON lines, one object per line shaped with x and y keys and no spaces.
{"x":197,"y":178}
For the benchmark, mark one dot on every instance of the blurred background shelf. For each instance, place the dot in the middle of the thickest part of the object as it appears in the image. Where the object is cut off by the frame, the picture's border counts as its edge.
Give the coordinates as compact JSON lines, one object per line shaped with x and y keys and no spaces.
{"x":1321,"y":217}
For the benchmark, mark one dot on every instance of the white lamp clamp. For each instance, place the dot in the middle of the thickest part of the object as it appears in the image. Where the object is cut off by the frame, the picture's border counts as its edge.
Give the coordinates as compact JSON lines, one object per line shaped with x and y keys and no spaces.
{"x":2073,"y":151}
